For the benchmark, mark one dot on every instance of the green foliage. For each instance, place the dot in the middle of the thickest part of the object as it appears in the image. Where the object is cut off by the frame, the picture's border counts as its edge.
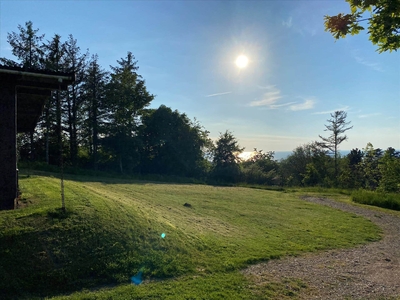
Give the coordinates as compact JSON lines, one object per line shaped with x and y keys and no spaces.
{"x":352,"y":175}
{"x":226,"y":159}
{"x":112,"y":227}
{"x":372,"y":169}
{"x":337,"y":126}
{"x":260,"y":168}
{"x":26,"y":46}
{"x":389,"y":167}
{"x":101,"y":123}
{"x":309,"y":160}
{"x":383,"y":22}
{"x":95,"y":107}
{"x":385,"y":200}
{"x":372,"y":174}
{"x":126,"y":96}
{"x":311,"y":177}
{"x":172,"y":144}
{"x":343,"y":24}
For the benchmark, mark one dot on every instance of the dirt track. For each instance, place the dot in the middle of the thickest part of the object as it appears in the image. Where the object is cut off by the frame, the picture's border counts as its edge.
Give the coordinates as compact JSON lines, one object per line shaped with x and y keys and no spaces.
{"x":371,"y":271}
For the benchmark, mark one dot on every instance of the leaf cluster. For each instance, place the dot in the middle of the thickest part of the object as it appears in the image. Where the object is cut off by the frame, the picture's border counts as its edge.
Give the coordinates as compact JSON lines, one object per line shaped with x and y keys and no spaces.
{"x":383,"y":22}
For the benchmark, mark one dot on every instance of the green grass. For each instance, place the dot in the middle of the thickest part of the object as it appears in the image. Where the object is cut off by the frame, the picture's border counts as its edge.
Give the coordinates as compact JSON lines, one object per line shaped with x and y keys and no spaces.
{"x":385,"y":200}
{"x":112,"y":229}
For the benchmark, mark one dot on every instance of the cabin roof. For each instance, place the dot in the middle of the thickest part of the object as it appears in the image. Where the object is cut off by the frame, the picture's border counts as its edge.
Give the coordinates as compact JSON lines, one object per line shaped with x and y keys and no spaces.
{"x":33,"y":88}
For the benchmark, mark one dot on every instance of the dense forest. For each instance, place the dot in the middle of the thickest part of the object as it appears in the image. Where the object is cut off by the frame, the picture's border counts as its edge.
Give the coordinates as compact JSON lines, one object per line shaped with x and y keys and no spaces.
{"x":103,"y":122}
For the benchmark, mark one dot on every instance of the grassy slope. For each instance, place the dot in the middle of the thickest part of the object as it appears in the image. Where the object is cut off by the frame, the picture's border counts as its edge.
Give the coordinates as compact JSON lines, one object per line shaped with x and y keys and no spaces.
{"x":112,"y":229}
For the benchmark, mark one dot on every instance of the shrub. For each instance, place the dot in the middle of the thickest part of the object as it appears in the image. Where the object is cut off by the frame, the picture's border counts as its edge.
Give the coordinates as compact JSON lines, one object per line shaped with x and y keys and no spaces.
{"x":385,"y":200}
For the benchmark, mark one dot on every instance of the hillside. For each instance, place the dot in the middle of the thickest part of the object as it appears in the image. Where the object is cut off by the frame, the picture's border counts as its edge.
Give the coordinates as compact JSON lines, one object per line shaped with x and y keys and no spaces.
{"x":113,"y":227}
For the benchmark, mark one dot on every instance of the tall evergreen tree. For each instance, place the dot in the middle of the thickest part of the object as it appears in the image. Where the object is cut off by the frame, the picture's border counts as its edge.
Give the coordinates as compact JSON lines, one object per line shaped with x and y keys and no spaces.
{"x":53,"y":60}
{"x":226,"y":158}
{"x":26,"y":46}
{"x":337,"y":126}
{"x":94,"y":96}
{"x":72,"y":108}
{"x":127,"y":95}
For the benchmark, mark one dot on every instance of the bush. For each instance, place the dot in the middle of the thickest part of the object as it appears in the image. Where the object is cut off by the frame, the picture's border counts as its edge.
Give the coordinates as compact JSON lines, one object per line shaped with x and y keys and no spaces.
{"x":385,"y":200}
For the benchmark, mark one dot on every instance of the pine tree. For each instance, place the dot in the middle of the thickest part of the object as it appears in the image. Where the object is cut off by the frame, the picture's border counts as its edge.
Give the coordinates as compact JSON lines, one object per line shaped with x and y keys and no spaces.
{"x":94,"y":96}
{"x":72,"y":106}
{"x":226,"y":158}
{"x":53,"y":60}
{"x":26,"y":46}
{"x":127,"y":95}
{"x":337,"y":126}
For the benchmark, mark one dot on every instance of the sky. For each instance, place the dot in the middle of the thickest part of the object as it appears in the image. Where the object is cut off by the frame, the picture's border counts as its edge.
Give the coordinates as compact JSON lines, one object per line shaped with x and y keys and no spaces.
{"x":296,"y":77}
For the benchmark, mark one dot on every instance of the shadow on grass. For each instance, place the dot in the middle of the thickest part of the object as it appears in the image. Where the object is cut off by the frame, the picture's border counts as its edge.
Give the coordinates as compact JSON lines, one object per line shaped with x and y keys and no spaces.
{"x":114,"y":179}
{"x":52,"y":252}
{"x":59,"y":213}
{"x":145,"y":179}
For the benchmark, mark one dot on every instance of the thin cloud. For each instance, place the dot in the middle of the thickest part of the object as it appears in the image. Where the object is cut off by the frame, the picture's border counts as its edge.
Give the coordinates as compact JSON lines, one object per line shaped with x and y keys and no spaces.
{"x":288,"y":23}
{"x":345,"y":108}
{"x":267,"y":87}
{"x":302,"y":23}
{"x":307,"y":104}
{"x":369,"y":115}
{"x":274,"y":106}
{"x":218,"y":94}
{"x":372,"y":65}
{"x":269,"y":98}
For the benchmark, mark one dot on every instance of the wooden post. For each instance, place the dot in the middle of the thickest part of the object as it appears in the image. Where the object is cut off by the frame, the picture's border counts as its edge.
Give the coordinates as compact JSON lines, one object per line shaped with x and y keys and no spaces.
{"x":8,"y":143}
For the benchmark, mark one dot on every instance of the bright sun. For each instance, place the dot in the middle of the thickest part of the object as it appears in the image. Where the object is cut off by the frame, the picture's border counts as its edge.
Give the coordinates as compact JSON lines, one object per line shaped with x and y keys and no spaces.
{"x":241,"y":61}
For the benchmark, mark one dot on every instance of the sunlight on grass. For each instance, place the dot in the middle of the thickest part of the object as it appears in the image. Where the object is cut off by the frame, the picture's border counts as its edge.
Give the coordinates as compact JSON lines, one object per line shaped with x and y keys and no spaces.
{"x":113,"y":228}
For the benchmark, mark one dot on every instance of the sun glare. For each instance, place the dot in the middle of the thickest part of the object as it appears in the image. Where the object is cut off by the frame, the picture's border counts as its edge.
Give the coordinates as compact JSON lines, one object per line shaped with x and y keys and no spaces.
{"x":241,"y":61}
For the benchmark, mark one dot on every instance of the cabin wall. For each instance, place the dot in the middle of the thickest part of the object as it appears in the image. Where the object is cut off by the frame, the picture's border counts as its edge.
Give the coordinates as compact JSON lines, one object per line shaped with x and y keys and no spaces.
{"x":8,"y":143}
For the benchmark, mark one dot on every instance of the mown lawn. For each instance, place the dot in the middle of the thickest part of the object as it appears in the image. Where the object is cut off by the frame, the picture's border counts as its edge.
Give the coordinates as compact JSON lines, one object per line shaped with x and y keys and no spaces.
{"x":112,"y":229}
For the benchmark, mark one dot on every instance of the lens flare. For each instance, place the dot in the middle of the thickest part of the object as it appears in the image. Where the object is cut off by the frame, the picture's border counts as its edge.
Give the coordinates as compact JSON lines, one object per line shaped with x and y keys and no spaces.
{"x":163,"y":235}
{"x":137,"y":279}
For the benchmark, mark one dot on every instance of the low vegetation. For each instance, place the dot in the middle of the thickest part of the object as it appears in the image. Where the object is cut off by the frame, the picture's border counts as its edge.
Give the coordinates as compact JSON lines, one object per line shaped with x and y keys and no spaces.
{"x":112,"y":229}
{"x":385,"y":200}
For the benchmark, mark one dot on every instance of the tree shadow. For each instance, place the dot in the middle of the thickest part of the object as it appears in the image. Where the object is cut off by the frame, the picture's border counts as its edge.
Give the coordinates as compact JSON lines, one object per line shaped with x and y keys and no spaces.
{"x":117,"y":179}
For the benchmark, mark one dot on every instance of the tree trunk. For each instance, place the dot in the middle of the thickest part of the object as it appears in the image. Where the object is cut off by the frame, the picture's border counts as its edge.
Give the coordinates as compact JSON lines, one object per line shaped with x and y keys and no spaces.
{"x":32,"y":156}
{"x":120,"y":164}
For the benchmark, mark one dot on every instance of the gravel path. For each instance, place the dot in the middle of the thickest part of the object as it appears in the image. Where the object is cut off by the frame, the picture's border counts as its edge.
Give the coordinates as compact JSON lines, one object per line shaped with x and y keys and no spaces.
{"x":370,"y":271}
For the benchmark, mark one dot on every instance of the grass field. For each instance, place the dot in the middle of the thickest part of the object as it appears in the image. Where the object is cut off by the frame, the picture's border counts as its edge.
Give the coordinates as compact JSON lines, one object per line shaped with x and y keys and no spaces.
{"x":112,"y":229}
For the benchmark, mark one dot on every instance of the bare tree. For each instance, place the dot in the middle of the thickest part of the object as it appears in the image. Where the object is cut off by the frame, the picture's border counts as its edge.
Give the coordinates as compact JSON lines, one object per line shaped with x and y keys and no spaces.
{"x":337,"y":126}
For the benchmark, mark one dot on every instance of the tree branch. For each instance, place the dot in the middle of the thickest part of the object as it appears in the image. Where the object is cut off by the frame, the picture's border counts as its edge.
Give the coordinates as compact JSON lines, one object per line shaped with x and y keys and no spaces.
{"x":367,"y":19}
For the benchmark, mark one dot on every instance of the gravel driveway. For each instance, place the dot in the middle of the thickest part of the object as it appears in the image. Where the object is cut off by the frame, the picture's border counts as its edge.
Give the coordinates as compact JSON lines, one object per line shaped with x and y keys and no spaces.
{"x":371,"y":271}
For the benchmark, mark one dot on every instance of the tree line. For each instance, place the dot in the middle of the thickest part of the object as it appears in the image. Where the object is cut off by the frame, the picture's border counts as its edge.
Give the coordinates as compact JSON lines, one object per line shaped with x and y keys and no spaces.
{"x":102,"y":122}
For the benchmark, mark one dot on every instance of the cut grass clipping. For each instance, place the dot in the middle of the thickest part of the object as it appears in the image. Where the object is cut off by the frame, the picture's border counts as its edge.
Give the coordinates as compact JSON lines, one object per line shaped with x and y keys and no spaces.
{"x":115,"y":229}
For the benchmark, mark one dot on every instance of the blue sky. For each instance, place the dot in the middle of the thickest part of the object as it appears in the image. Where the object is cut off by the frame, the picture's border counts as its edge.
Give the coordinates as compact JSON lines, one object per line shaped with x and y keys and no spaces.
{"x":297,"y":74}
